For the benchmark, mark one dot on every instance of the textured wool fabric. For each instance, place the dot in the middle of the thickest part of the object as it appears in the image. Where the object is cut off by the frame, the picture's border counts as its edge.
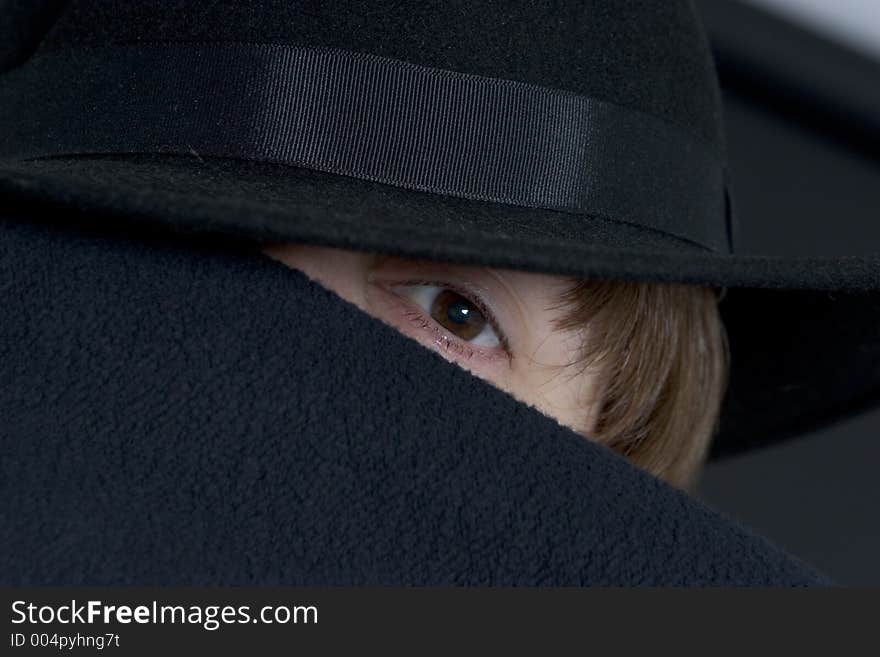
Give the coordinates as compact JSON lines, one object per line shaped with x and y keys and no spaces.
{"x":182,"y":414}
{"x":800,"y":358}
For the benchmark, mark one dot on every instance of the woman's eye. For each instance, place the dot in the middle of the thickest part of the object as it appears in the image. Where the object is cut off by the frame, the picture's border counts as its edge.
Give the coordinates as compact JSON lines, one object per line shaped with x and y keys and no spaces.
{"x":454,"y":312}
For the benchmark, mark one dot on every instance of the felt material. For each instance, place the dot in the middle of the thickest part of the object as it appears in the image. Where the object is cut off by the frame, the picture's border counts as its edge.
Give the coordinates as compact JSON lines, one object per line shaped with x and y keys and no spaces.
{"x":648,"y":60}
{"x":267,"y":202}
{"x":799,"y":358}
{"x":179,"y":414}
{"x":23,"y":24}
{"x":372,"y":118}
{"x":647,"y":55}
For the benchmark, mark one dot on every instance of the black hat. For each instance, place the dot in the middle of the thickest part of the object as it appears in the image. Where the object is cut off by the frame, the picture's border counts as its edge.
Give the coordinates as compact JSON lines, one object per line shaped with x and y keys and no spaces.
{"x":579,"y":138}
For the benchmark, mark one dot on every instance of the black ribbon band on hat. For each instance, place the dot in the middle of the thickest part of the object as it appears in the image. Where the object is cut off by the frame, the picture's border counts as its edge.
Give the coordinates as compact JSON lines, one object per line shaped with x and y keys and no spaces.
{"x":372,"y":118}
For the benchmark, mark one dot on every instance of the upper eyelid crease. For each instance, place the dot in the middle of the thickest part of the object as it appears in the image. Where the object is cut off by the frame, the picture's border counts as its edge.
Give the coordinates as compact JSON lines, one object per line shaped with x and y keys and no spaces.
{"x":429,"y":272}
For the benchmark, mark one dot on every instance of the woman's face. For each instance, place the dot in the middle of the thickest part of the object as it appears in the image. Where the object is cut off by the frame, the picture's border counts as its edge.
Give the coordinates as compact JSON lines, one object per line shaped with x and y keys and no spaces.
{"x":498,"y":324}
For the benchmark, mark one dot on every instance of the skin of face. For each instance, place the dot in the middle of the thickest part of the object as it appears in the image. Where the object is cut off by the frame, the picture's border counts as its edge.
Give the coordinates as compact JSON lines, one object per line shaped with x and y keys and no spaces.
{"x":496,"y":323}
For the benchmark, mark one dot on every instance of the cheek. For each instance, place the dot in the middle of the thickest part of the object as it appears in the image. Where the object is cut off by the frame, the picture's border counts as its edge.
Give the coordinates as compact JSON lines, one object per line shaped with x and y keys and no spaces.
{"x":571,"y":399}
{"x":343,"y":272}
{"x":554,"y":382}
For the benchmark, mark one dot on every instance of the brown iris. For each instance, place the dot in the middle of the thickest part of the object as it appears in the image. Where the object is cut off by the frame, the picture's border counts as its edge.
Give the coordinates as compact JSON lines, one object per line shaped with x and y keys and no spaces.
{"x":457,"y":315}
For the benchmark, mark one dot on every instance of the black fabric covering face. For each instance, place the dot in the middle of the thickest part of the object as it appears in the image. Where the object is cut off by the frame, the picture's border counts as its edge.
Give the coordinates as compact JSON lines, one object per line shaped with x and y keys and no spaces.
{"x":648,"y":57}
{"x":799,"y":358}
{"x":182,"y":415}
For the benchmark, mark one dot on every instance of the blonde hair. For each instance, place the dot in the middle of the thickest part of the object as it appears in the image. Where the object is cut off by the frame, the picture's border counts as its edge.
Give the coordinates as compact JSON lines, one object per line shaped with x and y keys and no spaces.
{"x":661,"y":353}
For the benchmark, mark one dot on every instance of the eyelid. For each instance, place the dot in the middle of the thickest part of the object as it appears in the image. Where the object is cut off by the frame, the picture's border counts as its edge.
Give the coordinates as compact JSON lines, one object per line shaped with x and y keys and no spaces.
{"x":485,"y":283}
{"x":471,"y":296}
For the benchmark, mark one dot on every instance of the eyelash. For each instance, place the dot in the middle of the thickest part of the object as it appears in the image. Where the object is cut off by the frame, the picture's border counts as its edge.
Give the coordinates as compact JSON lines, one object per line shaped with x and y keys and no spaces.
{"x":449,"y":341}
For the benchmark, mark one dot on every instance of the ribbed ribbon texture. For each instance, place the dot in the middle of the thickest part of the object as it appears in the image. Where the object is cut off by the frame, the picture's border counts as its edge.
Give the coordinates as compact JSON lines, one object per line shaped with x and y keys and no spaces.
{"x":372,"y":118}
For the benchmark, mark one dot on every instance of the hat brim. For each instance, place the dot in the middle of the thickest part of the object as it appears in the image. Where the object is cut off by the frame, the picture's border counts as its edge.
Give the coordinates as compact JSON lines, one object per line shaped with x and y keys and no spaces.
{"x":270,"y":202}
{"x":803,"y":332}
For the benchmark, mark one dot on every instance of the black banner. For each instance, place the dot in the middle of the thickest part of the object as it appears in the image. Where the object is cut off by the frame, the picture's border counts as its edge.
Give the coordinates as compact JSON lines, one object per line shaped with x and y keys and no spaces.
{"x":266,"y":621}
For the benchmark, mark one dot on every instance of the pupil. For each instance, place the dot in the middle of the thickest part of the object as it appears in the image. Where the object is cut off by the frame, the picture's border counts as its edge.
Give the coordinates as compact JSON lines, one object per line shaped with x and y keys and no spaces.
{"x":457,"y":312}
{"x":457,"y":315}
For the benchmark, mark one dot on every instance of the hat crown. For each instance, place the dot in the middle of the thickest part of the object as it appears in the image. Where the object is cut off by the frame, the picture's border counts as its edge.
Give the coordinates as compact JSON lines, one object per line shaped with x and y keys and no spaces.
{"x":649,"y":56}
